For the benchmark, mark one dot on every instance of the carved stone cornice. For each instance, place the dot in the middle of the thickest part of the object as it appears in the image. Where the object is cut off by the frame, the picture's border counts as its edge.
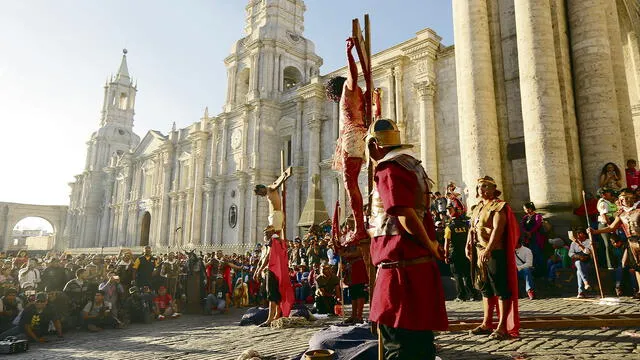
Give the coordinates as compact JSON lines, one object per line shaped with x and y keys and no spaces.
{"x":312,"y":91}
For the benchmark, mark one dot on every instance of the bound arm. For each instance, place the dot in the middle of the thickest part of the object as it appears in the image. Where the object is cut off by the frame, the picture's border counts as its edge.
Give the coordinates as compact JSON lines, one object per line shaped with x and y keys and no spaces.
{"x":352,"y":76}
{"x":410,"y":221}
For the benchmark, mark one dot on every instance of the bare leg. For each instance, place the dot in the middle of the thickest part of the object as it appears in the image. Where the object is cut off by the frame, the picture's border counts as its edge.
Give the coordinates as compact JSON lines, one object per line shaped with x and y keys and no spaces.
{"x":505,"y":307}
{"x":278,"y":312}
{"x":487,"y":313}
{"x":273,"y":308}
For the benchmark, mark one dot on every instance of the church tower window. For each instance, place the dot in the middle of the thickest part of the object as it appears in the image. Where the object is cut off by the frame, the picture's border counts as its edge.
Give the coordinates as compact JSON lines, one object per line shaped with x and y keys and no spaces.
{"x":291,"y":78}
{"x":243,"y":86}
{"x":124,"y":99}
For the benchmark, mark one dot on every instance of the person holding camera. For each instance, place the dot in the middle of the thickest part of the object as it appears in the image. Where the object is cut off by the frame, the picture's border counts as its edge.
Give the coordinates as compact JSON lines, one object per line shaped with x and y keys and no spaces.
{"x":113,"y":291}
{"x":97,"y":314}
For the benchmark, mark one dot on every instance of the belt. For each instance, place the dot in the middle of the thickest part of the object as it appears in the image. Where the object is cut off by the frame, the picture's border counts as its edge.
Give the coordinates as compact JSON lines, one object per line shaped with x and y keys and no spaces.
{"x":405,"y":263}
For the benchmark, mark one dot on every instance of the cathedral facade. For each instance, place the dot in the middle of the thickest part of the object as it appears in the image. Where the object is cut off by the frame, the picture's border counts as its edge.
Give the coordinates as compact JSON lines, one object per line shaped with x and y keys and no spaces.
{"x":521,"y":98}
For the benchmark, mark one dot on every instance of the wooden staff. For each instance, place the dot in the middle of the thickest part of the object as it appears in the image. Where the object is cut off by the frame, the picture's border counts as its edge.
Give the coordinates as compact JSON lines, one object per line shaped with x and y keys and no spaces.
{"x":284,"y":198}
{"x":593,"y":247}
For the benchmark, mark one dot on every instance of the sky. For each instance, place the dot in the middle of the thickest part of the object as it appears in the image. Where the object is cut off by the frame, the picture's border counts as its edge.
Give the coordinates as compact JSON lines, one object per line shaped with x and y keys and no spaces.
{"x":55,"y":57}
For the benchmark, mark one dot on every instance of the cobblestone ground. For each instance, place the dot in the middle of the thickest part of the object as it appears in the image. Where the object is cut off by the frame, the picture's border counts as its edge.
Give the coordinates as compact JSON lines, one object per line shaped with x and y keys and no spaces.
{"x":219,"y":337}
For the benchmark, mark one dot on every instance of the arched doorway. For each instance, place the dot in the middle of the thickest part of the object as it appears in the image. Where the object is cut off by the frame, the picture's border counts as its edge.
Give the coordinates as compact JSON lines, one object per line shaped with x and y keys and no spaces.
{"x":144,"y":230}
{"x":32,"y":233}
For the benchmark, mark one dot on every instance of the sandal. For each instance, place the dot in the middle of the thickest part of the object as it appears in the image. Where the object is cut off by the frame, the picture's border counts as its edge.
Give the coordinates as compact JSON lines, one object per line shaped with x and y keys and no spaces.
{"x":480,"y":331}
{"x":497,"y":335}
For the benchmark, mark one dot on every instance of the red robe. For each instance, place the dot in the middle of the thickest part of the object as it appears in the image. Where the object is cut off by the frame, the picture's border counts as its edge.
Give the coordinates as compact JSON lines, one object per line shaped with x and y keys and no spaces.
{"x":513,"y":318}
{"x":409,"y":297}
{"x":279,"y":266}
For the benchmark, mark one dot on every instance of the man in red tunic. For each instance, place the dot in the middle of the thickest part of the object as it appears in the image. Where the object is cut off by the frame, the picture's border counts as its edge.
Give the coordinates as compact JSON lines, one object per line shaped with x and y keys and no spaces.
{"x":408,"y":299}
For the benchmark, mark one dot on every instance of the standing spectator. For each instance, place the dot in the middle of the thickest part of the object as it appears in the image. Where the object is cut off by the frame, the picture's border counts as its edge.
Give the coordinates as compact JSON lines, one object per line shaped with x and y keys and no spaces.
{"x":441,"y":205}
{"x":314,"y":253}
{"x":632,"y":174}
{"x":295,"y":259}
{"x":113,"y":291}
{"x":580,"y":252}
{"x":54,"y":277}
{"x":531,"y":229}
{"x":29,"y":275}
{"x":455,"y":238}
{"x":143,"y":268}
{"x":607,"y":209}
{"x":124,"y":269}
{"x":170,"y":270}
{"x":524,"y":264}
{"x":610,"y":177}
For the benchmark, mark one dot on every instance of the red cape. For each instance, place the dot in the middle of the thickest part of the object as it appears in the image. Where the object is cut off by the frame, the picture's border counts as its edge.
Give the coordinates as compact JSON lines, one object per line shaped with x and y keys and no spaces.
{"x":513,"y":234}
{"x":279,"y":266}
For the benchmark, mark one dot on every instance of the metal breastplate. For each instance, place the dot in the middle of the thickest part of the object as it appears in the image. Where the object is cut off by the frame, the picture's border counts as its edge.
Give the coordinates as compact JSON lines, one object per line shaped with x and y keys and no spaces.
{"x":385,"y":224}
{"x":631,"y":221}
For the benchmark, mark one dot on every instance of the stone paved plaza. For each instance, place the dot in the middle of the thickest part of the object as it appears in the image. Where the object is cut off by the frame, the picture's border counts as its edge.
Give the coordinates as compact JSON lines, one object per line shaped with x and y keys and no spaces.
{"x":219,"y":337}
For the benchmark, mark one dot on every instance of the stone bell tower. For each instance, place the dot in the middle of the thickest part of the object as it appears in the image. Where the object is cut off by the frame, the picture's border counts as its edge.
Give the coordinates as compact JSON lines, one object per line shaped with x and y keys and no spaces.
{"x":274,"y":57}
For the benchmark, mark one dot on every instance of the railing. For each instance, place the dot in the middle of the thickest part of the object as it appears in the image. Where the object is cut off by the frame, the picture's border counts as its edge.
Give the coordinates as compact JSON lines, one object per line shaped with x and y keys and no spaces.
{"x":115,"y":250}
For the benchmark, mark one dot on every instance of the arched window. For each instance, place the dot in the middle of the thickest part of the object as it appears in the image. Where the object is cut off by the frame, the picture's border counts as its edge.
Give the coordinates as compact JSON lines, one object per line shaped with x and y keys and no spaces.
{"x":291,"y":78}
{"x":124,"y":99}
{"x":242,"y":86}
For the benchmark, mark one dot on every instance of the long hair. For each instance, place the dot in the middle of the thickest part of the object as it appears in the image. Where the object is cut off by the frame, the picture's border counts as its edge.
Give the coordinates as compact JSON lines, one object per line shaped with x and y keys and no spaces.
{"x":603,"y":172}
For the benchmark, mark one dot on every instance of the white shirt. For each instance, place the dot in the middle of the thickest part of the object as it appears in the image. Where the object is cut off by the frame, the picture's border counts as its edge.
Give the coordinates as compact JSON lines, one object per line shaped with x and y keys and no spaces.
{"x":524,"y":258}
{"x":575,"y":249}
{"x":28,"y":277}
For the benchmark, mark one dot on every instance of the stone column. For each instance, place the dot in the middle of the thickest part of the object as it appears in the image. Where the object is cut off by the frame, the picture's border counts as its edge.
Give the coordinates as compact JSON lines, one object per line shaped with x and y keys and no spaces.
{"x":180,"y":223}
{"x":391,"y":97}
{"x":218,"y":222}
{"x":165,"y":229}
{"x":542,"y":115}
{"x":106,"y":210}
{"x":198,"y":182}
{"x":399,"y":97}
{"x":596,"y":102}
{"x":479,"y":138}
{"x":208,"y":217}
{"x":313,"y":125}
{"x":242,"y":195}
{"x":299,"y":161}
{"x":171,"y":232}
{"x":225,"y":142}
{"x":427,"y":118}
{"x":622,"y":87}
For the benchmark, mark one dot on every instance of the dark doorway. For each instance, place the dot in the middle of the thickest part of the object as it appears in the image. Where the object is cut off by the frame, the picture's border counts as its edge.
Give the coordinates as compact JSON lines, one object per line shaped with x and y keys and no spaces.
{"x":144,"y":231}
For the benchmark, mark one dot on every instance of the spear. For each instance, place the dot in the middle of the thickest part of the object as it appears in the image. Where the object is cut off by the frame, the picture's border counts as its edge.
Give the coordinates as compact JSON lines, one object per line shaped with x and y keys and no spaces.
{"x":595,"y":257}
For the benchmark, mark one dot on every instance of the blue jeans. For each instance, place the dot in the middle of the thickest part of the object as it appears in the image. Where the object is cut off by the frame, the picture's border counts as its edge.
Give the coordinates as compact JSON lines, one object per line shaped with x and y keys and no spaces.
{"x":527,"y":273}
{"x":553,"y":268}
{"x":583,"y":270}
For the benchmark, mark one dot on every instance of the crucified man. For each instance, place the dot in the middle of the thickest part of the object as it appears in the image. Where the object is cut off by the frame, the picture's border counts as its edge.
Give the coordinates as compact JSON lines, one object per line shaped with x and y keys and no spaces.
{"x":350,"y":146}
{"x":276,"y":214}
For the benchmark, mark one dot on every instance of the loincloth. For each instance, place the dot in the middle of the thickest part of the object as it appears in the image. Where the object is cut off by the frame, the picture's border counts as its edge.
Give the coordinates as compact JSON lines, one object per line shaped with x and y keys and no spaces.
{"x":276,"y":218}
{"x":350,"y":144}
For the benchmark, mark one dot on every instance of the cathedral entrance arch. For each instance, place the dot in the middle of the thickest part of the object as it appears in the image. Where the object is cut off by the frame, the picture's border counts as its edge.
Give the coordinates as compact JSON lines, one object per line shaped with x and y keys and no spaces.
{"x":144,"y":229}
{"x":12,"y":213}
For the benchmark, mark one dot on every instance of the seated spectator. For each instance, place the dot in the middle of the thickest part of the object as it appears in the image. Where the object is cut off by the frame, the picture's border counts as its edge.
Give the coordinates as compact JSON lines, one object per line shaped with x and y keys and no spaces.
{"x":560,"y":259}
{"x":136,"y":308}
{"x":580,"y":252}
{"x":34,"y":321}
{"x":164,"y":305}
{"x":78,"y":293}
{"x":61,"y":304}
{"x":524,"y":264}
{"x":10,"y":307}
{"x":97,"y":314}
{"x":327,"y":291}
{"x":216,"y":300}
{"x":240,"y":293}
